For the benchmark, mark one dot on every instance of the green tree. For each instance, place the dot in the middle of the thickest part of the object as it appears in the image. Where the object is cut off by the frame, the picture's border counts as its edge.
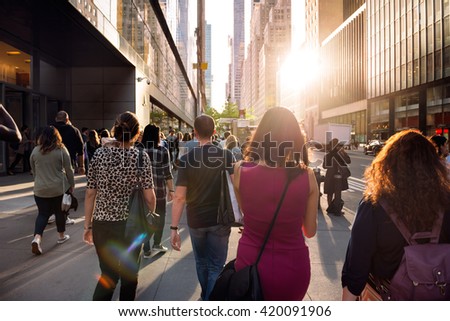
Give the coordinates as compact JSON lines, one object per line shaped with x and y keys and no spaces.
{"x":230,"y":110}
{"x":212,"y":112}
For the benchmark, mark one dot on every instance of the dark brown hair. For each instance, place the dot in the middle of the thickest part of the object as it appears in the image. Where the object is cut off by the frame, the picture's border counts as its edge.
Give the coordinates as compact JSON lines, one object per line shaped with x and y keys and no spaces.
{"x":410,"y":176}
{"x":126,"y":127}
{"x":49,"y":139}
{"x":204,"y":126}
{"x":278,"y":140}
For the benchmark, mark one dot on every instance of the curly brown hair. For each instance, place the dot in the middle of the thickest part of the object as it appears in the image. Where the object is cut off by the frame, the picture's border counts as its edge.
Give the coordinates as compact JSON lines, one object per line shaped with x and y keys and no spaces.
{"x":409,"y":175}
{"x":49,"y":139}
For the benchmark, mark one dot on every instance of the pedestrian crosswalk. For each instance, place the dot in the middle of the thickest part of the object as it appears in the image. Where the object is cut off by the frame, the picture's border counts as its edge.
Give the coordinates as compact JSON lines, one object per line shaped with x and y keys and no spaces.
{"x":356,"y":184}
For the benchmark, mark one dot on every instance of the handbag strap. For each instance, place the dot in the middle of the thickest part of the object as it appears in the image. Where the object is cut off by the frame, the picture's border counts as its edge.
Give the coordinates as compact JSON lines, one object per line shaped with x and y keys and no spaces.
{"x":139,"y":165}
{"x":266,"y":238}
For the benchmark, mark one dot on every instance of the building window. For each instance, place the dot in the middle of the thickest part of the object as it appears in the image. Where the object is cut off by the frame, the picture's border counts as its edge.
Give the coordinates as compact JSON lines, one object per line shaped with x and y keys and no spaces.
{"x":423,"y":70}
{"x":447,"y":61}
{"x":379,"y":119}
{"x":438,"y":64}
{"x":447,"y":31}
{"x":430,"y":37}
{"x":438,"y":35}
{"x":430,"y":67}
{"x":407,"y":111}
{"x":430,"y":12}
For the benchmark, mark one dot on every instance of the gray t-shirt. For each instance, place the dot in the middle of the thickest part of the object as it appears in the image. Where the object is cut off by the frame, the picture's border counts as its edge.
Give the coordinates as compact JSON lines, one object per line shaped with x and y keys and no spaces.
{"x":199,"y":170}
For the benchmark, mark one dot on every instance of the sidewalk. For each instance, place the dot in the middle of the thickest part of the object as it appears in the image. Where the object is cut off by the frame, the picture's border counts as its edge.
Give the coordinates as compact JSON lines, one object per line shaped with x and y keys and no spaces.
{"x":68,"y":271}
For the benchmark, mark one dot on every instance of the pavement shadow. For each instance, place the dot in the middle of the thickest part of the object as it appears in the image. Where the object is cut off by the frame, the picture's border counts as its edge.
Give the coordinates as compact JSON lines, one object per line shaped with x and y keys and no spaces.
{"x":327,"y":253}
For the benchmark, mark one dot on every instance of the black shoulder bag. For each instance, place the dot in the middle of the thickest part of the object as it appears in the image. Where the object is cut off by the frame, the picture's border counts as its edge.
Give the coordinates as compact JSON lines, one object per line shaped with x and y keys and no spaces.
{"x":141,"y":221}
{"x":244,"y":284}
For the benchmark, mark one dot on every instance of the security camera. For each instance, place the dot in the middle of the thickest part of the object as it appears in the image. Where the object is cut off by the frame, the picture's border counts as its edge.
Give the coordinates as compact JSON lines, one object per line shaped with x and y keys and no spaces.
{"x":139,"y":79}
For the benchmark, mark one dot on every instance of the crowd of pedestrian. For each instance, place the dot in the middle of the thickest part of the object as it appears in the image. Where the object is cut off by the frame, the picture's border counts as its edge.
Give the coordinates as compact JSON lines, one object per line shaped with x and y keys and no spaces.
{"x":410,"y":174}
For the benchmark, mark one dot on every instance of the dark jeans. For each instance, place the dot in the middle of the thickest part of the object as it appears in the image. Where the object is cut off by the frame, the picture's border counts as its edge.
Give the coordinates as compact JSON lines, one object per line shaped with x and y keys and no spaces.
{"x":210,"y":246}
{"x":47,"y":207}
{"x":119,"y":259}
{"x":157,"y":235}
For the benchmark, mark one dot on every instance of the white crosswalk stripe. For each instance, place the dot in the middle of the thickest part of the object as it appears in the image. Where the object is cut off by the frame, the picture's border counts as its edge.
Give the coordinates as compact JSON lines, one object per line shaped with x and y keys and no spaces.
{"x":355,"y":184}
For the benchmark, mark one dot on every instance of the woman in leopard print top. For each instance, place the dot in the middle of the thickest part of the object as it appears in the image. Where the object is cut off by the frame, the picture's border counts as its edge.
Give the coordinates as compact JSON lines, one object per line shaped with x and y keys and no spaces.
{"x":111,"y":177}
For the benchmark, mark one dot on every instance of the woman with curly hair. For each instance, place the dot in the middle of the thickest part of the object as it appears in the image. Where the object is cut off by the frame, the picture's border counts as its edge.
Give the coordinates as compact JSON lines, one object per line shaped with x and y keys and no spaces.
{"x":53,"y":175}
{"x":408,"y":176}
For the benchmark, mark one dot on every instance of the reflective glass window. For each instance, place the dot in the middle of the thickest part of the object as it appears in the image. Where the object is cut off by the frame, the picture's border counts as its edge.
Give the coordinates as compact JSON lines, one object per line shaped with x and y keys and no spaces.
{"x":438,"y":64}
{"x":423,"y":43}
{"x":403,"y":27}
{"x":430,"y":38}
{"x":430,"y":12}
{"x":409,"y":23}
{"x":446,"y":61}
{"x":447,"y":31}
{"x":438,"y":9}
{"x":409,"y":74}
{"x":416,"y":73}
{"x":416,"y":46}
{"x":409,"y":50}
{"x":403,"y":76}
{"x":403,"y":53}
{"x":430,"y":67}
{"x":423,"y":70}
{"x":438,"y":35}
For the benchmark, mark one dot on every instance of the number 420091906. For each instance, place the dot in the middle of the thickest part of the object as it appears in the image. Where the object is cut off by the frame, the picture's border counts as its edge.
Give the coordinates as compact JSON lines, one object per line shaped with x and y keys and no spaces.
{"x":304,"y":311}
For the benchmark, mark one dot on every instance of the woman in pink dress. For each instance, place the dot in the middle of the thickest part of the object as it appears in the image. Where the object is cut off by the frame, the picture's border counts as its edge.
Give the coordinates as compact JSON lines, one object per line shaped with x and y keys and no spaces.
{"x":277,"y":153}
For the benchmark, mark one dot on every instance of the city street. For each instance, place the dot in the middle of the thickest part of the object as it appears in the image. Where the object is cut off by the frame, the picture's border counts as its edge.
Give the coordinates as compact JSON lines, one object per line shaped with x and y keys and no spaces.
{"x":68,"y":271}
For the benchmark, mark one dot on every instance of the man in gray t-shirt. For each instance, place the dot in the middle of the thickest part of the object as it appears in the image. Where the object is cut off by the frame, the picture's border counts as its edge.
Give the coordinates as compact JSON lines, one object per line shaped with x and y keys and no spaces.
{"x":198,"y":187}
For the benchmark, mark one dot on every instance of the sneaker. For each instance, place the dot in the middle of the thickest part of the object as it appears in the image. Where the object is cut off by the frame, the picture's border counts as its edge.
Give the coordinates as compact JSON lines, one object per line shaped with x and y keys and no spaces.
{"x":159,"y":248}
{"x":10,"y":172}
{"x":147,"y":254}
{"x":51,"y":219}
{"x":65,"y":238}
{"x":36,"y":247}
{"x":70,"y":221}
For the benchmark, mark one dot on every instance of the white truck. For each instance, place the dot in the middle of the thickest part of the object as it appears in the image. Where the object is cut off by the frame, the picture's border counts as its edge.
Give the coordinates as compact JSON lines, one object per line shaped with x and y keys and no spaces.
{"x":324,"y":133}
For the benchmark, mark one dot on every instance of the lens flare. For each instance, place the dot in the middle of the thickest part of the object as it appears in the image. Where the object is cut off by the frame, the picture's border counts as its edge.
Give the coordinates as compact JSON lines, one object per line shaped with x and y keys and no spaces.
{"x":137,"y":242}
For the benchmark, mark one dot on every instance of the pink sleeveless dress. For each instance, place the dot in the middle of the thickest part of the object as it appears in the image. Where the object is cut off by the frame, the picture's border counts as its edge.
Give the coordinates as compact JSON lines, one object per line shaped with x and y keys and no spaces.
{"x":284,"y":268}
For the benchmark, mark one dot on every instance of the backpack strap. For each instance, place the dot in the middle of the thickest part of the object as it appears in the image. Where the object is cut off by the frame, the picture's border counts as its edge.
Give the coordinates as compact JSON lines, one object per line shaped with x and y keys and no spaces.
{"x":412,"y":239}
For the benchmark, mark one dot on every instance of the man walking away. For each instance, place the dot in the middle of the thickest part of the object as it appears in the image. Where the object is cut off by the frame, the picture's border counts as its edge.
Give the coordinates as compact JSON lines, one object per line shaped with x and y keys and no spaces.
{"x":198,"y":186}
{"x":72,"y":139}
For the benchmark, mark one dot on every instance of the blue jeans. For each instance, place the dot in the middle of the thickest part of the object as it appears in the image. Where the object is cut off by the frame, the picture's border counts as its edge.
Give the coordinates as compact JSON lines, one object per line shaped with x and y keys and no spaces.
{"x":210,"y":246}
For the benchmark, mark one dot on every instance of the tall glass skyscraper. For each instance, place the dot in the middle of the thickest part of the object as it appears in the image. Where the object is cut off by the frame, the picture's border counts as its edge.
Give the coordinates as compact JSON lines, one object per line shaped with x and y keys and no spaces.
{"x":238,"y":50}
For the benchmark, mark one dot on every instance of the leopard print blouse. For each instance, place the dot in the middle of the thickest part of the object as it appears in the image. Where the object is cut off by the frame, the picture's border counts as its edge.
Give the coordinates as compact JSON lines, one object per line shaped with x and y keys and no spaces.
{"x":112,"y":172}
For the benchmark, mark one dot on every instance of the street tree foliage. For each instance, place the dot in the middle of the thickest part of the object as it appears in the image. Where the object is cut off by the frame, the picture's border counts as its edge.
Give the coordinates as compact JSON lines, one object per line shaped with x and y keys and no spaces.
{"x":230,"y":110}
{"x":210,"y":111}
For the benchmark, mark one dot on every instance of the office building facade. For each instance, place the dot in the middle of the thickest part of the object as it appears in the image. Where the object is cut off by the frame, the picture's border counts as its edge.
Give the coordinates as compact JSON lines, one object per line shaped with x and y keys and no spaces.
{"x":409,"y":66}
{"x":94,"y":59}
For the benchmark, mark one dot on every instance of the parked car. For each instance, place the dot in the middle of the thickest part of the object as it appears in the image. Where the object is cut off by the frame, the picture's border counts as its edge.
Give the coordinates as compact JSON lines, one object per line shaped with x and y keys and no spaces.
{"x":373,"y":147}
